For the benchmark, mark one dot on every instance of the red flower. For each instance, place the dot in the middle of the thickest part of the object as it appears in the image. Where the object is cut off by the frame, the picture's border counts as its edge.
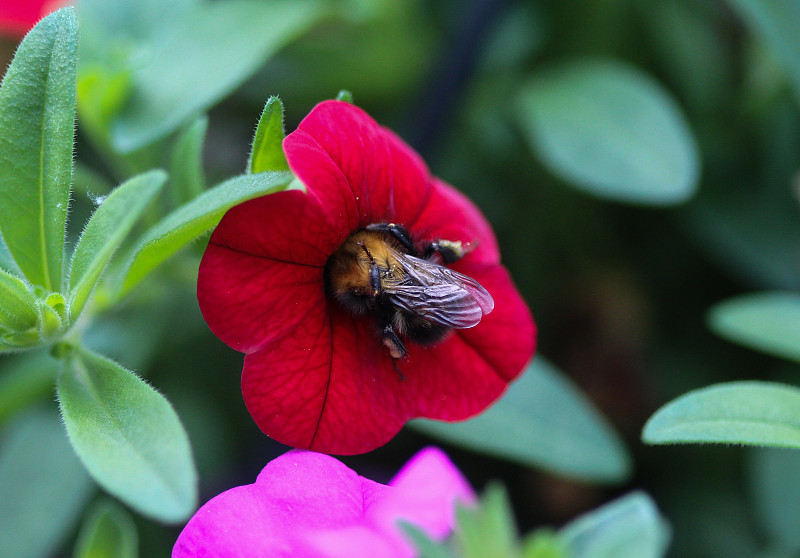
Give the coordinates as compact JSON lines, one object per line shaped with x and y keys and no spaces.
{"x":17,"y":17}
{"x":315,"y":375}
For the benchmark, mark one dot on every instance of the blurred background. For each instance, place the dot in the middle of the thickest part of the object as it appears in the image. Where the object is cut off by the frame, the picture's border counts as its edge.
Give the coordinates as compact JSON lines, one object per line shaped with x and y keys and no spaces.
{"x":638,"y":161}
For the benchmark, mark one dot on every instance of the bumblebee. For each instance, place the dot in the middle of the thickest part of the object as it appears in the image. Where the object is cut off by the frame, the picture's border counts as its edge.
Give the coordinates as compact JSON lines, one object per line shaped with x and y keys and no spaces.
{"x":411,"y":295}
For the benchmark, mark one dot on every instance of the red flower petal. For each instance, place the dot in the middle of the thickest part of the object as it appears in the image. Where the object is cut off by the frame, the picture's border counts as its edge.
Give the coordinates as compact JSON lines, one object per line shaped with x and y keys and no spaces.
{"x":462,"y":375}
{"x":288,"y":227}
{"x":338,"y":151}
{"x":262,"y":272}
{"x":450,"y":215}
{"x":329,"y":386}
{"x":17,"y":17}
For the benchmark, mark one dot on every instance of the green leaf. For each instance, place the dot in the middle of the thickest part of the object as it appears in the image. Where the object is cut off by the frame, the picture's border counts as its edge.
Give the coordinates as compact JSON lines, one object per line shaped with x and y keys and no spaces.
{"x":751,"y":413}
{"x":738,"y":227}
{"x":542,"y":421}
{"x":43,"y":486}
{"x":106,"y":230}
{"x":107,"y":532}
{"x":775,"y":490}
{"x":777,"y":22}
{"x":691,"y":48}
{"x":189,"y":221}
{"x":544,"y":543}
{"x":187,"y":179}
{"x":768,"y":322}
{"x":424,"y":545}
{"x":345,"y":95}
{"x":611,"y":131}
{"x":629,"y":527}
{"x":17,"y":304}
{"x":90,"y":183}
{"x":25,"y":378}
{"x":488,"y":529}
{"x":128,"y":437}
{"x":7,"y":262}
{"x":184,"y":59}
{"x":102,"y":92}
{"x":37,"y":125}
{"x":267,"y":151}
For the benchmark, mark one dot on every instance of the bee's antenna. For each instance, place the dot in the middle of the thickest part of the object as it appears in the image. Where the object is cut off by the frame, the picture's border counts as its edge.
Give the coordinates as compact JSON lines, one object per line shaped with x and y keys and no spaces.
{"x":397,"y":369}
{"x":374,"y":272}
{"x":369,"y":255}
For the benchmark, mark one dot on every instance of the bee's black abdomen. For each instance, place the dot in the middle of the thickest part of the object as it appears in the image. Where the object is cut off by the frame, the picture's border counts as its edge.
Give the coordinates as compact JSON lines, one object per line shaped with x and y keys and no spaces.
{"x":354,"y":303}
{"x":423,"y":332}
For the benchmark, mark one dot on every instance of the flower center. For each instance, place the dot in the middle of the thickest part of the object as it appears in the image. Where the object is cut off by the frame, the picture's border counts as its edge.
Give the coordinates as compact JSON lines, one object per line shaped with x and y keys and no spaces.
{"x":378,"y":272}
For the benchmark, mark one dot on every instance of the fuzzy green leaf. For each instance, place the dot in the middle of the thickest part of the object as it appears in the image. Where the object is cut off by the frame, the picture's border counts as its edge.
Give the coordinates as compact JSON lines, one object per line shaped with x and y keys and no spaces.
{"x":43,"y":486}
{"x":105,"y":232}
{"x":37,"y":125}
{"x":7,"y":262}
{"x":102,"y":92}
{"x":611,"y":131}
{"x":488,"y":529}
{"x":542,"y":421}
{"x":424,"y":545}
{"x":107,"y":532}
{"x":267,"y":151}
{"x":128,"y":436}
{"x":17,"y":304}
{"x":187,"y":179}
{"x":544,"y":543}
{"x":189,"y":221}
{"x":629,"y":527}
{"x":768,"y":322}
{"x":751,"y":413}
{"x":345,"y":95}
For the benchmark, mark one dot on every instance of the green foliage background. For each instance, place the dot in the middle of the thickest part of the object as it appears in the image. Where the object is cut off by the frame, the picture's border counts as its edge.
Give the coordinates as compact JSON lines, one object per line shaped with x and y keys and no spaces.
{"x":638,"y":161}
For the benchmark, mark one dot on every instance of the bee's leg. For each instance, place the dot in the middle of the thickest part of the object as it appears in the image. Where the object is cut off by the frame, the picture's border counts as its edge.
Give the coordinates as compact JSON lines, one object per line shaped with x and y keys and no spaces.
{"x":450,"y":251}
{"x":397,"y":349}
{"x":397,"y":369}
{"x":398,"y":232}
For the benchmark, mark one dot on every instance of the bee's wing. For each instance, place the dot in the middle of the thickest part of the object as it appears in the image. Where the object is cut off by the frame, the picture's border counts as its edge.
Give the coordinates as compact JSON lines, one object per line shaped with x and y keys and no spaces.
{"x":440,"y":295}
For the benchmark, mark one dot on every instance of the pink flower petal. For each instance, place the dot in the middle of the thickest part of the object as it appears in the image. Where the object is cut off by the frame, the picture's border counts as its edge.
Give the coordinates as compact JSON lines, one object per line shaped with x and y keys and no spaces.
{"x":314,"y":490}
{"x":308,"y":505}
{"x":357,"y":541}
{"x":426,"y":489}
{"x":235,"y":524}
{"x":297,"y":493}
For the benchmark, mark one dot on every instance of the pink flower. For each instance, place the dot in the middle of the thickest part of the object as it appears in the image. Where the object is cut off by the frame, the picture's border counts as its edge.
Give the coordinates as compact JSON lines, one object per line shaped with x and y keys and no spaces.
{"x":17,"y":17}
{"x":317,"y":374}
{"x":309,"y":505}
